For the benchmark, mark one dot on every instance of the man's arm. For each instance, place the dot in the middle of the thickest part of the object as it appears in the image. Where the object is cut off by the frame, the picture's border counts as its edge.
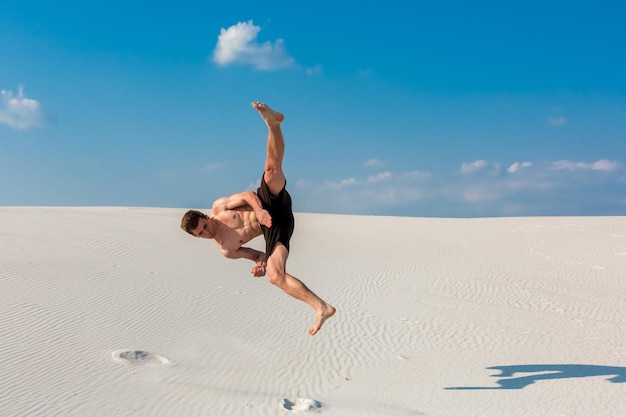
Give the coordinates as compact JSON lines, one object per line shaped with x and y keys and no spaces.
{"x":248,"y":253}
{"x":241,"y":199}
{"x":244,"y":252}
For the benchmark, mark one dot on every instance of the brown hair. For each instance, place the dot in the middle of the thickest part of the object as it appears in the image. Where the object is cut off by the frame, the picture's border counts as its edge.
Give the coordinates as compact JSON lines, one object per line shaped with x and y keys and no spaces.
{"x":190,"y":220}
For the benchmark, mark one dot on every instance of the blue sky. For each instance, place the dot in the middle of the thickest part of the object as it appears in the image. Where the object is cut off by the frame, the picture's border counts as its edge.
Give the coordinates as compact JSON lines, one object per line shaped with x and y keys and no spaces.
{"x":437,"y":109}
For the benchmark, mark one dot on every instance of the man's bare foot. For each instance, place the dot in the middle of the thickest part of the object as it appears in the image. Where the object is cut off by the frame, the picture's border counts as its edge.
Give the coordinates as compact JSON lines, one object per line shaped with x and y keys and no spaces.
{"x":270,"y":116}
{"x":321,"y":316}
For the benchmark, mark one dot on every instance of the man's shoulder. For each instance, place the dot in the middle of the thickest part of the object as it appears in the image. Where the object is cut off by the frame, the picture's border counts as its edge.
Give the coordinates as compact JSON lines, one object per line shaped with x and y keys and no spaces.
{"x":220,"y":205}
{"x":230,"y":202}
{"x":220,"y":202}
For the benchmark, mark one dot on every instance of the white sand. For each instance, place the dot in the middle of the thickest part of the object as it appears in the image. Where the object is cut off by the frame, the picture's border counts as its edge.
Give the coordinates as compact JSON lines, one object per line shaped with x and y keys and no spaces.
{"x":117,"y":312}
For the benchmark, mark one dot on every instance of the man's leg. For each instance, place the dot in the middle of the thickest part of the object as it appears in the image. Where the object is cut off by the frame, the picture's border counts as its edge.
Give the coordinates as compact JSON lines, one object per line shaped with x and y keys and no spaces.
{"x":274,"y":176}
{"x":275,"y":180}
{"x":276,"y":264}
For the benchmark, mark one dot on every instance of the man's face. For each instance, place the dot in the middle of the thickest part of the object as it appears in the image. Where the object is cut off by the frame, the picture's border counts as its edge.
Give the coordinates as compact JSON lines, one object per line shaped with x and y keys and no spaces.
{"x":204,"y":229}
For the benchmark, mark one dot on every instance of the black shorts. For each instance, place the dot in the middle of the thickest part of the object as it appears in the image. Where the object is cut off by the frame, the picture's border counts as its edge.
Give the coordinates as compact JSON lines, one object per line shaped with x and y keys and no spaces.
{"x":279,"y":207}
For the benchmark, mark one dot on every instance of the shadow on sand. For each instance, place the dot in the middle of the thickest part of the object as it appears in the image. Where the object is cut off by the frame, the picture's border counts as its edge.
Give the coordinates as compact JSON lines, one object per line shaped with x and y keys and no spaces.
{"x":507,"y":379}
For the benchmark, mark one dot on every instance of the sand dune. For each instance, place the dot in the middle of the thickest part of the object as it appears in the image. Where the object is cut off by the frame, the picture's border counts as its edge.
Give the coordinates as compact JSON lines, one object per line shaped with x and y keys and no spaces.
{"x":117,"y":312}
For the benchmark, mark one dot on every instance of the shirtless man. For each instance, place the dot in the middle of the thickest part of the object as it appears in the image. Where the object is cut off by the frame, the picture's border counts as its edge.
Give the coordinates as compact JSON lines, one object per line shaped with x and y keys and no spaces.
{"x":237,"y":219}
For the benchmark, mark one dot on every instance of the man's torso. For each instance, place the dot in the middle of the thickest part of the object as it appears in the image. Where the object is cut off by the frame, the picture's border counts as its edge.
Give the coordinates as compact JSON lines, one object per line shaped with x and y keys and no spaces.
{"x":236,"y":227}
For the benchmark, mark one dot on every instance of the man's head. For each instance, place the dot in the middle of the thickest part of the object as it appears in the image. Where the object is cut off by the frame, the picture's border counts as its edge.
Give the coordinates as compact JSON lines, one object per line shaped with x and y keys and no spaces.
{"x":191,"y":220}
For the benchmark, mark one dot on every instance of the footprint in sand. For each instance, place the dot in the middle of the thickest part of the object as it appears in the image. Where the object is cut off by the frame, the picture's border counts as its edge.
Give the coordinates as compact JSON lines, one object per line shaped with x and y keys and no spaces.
{"x":139,"y":357}
{"x":301,"y":405}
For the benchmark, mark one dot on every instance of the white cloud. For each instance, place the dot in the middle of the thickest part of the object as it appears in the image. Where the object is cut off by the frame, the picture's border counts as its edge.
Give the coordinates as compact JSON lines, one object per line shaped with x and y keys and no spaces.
{"x":561,"y":187}
{"x":600,"y":165}
{"x":302,"y":183}
{"x":213,"y":166}
{"x":557,"y":121}
{"x":605,"y":165}
{"x":239,"y":44}
{"x":349,"y":182}
{"x":19,"y":112}
{"x":416,"y":175}
{"x":496,"y":169}
{"x":474,"y":195}
{"x":382,"y":191}
{"x":383,"y":176}
{"x":315,"y":70}
{"x":515,"y":167}
{"x":371,"y":163}
{"x":472,"y":167}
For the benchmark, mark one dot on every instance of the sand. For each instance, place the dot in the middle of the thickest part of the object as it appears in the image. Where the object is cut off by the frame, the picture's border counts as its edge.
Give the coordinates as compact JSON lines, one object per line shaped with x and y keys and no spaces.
{"x":117,"y":312}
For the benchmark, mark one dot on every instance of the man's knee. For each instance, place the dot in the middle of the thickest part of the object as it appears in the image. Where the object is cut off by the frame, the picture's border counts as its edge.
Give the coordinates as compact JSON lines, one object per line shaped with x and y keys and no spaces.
{"x":276,"y":265}
{"x":275,"y":180}
{"x":272,"y":171}
{"x":276,"y":275}
{"x":269,"y":175}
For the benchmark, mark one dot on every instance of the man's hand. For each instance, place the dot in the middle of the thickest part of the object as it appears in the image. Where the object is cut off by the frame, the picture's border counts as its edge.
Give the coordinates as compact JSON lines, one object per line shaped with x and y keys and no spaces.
{"x":264,"y":217}
{"x":259,"y":269}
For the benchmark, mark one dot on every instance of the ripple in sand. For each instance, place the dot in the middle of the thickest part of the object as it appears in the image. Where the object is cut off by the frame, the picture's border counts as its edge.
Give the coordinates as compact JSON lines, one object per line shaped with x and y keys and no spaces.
{"x":299,"y":405}
{"x":139,"y":357}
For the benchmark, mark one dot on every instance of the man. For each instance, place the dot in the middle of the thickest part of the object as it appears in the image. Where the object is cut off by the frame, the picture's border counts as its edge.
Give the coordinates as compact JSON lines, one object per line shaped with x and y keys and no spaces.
{"x":237,"y":219}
